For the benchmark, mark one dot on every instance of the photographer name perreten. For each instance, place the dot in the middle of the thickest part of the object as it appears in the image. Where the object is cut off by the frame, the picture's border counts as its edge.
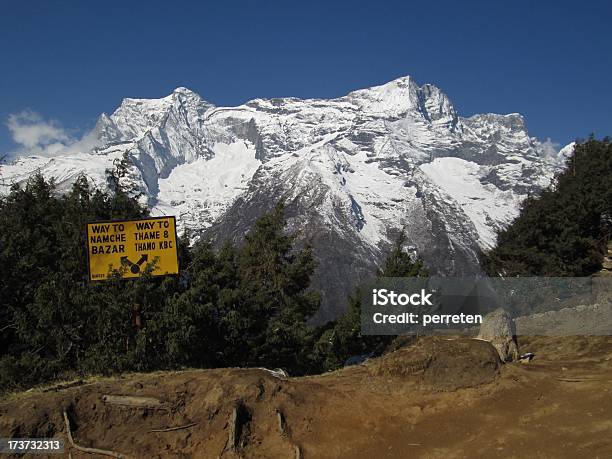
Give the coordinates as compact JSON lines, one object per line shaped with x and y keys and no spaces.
{"x":384,"y":297}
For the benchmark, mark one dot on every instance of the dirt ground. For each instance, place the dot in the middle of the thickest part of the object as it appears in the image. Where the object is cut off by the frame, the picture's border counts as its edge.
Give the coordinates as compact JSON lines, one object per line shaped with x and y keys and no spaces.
{"x":437,"y":398}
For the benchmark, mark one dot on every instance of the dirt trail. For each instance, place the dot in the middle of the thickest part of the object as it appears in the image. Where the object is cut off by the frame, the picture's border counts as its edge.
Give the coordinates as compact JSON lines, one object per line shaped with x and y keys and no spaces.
{"x":435,"y":399}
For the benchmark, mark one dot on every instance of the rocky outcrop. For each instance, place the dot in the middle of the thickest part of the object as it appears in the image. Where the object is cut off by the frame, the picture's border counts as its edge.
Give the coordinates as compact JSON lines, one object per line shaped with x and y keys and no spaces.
{"x":606,"y":266}
{"x":499,"y":329}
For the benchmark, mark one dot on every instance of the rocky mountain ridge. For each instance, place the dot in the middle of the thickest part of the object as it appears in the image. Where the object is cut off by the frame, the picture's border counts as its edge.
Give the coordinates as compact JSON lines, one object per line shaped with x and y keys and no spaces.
{"x":353,"y":172}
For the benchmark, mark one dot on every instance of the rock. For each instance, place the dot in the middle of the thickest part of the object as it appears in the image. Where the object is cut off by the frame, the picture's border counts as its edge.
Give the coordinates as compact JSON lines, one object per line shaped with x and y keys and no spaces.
{"x":607,"y":261}
{"x":499,"y":329}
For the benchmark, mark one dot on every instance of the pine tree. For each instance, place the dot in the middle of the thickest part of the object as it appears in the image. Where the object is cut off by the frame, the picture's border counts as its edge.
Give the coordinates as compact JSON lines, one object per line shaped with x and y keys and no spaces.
{"x":235,"y":306}
{"x":343,"y":339}
{"x":564,"y":230}
{"x":266,"y":320}
{"x":400,"y":263}
{"x":51,"y":314}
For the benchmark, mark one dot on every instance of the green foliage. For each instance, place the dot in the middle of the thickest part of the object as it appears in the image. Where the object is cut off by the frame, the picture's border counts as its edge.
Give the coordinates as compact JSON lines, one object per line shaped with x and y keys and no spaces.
{"x":400,"y":263}
{"x":342,"y":339}
{"x":47,"y":302}
{"x":272,"y":284}
{"x":564,"y":230}
{"x":238,"y":306}
{"x":253,"y":302}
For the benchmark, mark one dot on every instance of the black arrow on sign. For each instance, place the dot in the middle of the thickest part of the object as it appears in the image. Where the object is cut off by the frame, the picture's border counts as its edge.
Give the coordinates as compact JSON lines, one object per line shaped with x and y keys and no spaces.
{"x":134,"y":267}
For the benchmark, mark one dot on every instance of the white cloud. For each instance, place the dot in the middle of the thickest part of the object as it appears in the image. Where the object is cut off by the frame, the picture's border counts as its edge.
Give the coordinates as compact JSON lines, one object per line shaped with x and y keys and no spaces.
{"x":36,"y":136}
{"x":550,"y":148}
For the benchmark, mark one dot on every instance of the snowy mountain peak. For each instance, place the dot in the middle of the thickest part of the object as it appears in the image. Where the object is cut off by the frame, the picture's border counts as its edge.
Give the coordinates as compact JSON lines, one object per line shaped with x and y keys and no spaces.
{"x":106,"y":131}
{"x":353,"y":171}
{"x":402,"y":96}
{"x":135,"y":117}
{"x":186,"y":91}
{"x":187,"y":97}
{"x":437,"y":106}
{"x":391,"y":99}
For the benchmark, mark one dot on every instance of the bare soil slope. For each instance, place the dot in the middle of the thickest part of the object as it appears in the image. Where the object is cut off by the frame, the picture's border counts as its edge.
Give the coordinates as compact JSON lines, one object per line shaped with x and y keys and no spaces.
{"x":437,"y":398}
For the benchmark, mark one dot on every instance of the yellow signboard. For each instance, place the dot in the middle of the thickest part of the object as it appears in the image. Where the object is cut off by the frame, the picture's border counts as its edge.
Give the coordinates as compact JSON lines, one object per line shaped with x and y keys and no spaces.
{"x":131,"y":245}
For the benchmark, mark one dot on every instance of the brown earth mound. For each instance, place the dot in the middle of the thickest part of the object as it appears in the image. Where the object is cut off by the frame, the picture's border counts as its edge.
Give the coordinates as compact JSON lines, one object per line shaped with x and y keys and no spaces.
{"x":436,"y":398}
{"x":441,"y":364}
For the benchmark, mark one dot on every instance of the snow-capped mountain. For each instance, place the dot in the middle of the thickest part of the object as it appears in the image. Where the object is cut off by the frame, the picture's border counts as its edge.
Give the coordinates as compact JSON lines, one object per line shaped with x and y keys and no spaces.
{"x":352,"y":170}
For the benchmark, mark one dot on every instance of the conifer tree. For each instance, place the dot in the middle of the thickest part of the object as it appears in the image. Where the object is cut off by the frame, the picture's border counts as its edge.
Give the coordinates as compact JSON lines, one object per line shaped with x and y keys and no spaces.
{"x":564,"y":230}
{"x":266,"y":320}
{"x":51,"y":315}
{"x":343,"y":339}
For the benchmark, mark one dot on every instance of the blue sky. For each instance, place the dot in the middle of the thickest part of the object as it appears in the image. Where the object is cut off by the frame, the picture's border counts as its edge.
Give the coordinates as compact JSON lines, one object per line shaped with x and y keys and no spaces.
{"x":64,"y":62}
